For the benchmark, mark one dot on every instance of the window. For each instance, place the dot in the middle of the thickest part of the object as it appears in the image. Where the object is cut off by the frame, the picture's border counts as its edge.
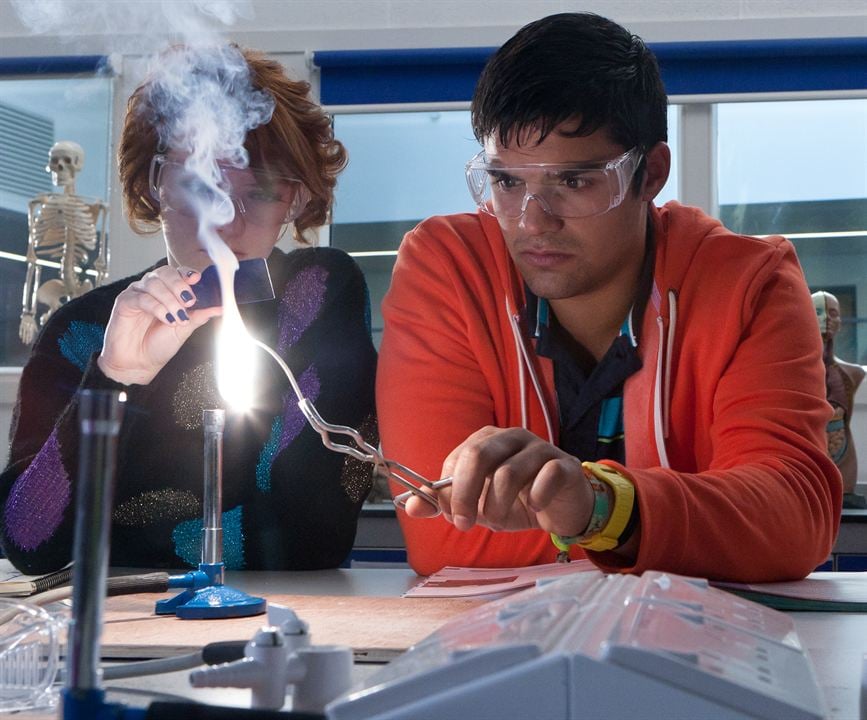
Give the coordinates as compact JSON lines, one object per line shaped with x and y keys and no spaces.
{"x":403,"y":167}
{"x":34,"y":114}
{"x":799,"y":169}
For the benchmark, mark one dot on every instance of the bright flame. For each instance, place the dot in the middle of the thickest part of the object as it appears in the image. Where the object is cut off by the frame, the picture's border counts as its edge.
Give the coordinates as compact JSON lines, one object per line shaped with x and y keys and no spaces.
{"x":236,"y":365}
{"x":236,"y":352}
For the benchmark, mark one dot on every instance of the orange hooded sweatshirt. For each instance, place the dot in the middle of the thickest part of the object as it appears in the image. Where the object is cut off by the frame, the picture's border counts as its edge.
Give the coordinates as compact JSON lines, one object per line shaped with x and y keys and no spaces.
{"x":725,"y":422}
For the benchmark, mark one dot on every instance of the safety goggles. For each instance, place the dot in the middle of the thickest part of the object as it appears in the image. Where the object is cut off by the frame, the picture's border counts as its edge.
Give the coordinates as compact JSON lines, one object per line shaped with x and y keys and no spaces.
{"x":261,"y":197}
{"x":563,"y":190}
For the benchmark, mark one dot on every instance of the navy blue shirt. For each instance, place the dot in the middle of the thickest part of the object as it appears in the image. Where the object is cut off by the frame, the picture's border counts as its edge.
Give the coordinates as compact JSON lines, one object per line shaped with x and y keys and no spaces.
{"x":590,"y":394}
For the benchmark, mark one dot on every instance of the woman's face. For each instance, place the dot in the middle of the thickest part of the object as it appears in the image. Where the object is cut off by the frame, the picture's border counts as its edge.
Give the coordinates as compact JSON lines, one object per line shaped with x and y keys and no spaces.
{"x":246,"y":208}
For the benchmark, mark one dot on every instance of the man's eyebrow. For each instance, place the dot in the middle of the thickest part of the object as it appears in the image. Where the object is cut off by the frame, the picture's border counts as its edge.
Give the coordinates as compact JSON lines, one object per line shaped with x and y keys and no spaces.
{"x":544,"y":170}
{"x":566,"y":166}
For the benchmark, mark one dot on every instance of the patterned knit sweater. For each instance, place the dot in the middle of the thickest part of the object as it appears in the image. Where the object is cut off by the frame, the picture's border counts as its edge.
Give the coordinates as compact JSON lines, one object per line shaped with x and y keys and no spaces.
{"x":288,"y":502}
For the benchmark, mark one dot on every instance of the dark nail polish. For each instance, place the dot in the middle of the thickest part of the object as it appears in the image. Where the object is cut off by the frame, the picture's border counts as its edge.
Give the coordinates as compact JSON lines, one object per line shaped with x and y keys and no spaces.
{"x":183,"y":315}
{"x":190,"y":273}
{"x":170,"y":317}
{"x":186,"y":296}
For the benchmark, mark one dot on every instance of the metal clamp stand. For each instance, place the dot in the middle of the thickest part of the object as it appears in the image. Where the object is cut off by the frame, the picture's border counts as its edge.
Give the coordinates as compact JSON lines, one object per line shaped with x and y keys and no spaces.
{"x":100,"y":413}
{"x":206,"y":596}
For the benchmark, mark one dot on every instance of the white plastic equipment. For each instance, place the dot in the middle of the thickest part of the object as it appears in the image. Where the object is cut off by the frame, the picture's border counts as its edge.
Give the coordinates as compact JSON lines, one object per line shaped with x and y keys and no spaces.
{"x":594,"y":645}
{"x":280,"y":657}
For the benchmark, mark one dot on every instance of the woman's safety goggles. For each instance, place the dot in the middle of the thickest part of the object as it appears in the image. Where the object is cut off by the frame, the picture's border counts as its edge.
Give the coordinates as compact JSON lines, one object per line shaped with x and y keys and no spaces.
{"x":562,"y":190}
{"x":263,"y":198}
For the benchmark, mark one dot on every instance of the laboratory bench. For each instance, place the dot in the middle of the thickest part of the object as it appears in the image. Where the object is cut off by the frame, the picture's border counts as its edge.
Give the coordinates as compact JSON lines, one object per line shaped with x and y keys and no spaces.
{"x":340,"y":603}
{"x":362,"y":606}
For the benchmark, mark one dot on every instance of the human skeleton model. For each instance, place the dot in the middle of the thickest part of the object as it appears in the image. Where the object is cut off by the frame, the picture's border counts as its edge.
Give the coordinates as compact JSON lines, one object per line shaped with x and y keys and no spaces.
{"x":842,"y":380}
{"x":63,"y":228}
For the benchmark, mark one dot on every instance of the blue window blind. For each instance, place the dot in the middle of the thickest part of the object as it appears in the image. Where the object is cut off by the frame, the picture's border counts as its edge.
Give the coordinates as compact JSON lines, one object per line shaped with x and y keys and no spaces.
{"x":351,"y":77}
{"x":53,"y":65}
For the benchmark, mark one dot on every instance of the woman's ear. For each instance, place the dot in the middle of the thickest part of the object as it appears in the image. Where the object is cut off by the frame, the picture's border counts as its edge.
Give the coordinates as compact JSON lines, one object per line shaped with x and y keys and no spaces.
{"x":657,"y":165}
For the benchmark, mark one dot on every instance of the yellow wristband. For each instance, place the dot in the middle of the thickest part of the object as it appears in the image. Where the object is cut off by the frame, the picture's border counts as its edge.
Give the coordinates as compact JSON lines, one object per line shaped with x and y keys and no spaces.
{"x":598,"y":518}
{"x":624,"y":499}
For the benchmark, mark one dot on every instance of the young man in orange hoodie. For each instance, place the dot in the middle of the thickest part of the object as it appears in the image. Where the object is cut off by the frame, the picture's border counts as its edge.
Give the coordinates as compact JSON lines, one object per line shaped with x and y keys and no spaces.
{"x":598,"y":375}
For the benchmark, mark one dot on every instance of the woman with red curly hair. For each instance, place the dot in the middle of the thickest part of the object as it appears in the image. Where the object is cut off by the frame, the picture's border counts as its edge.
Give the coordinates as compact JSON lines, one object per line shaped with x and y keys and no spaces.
{"x":288,"y":503}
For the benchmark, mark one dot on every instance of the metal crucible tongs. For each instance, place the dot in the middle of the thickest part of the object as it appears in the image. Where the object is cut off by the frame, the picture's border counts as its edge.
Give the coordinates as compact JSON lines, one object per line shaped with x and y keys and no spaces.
{"x":415,"y":484}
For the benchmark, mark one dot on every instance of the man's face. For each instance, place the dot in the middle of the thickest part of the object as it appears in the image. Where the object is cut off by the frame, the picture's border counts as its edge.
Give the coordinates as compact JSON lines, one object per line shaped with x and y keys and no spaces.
{"x":562,"y":258}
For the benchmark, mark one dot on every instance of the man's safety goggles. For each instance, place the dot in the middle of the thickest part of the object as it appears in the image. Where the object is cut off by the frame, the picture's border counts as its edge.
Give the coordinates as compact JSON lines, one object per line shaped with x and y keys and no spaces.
{"x":562,"y":190}
{"x":263,"y":198}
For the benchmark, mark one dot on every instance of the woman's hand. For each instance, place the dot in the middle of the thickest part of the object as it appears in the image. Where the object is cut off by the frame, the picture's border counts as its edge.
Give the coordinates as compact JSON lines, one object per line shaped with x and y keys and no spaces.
{"x":149,"y":323}
{"x":510,"y":479}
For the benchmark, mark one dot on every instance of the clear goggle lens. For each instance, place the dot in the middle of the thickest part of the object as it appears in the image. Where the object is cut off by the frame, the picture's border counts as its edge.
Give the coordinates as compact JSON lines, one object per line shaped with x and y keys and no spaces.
{"x":29,"y":656}
{"x":563,"y":190}
{"x":263,"y":198}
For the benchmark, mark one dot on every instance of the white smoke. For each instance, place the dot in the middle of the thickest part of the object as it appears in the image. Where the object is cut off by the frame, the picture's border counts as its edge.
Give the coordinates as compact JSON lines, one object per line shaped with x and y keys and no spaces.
{"x":204,"y":99}
{"x":134,"y":26}
{"x":204,"y":104}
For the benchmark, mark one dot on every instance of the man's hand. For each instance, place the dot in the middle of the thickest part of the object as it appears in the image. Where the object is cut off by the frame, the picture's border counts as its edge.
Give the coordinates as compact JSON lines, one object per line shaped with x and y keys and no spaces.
{"x":149,"y":323}
{"x":510,"y":479}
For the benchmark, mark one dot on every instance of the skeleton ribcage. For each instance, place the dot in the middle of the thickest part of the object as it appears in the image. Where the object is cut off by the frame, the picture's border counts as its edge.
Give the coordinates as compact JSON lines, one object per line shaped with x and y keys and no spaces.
{"x":65,"y":225}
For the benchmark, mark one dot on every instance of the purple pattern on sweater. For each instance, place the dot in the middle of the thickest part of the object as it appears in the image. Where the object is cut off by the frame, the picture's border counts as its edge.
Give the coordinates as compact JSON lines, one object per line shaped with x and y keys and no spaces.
{"x":293,"y":420}
{"x":39,"y":497}
{"x":301,"y":303}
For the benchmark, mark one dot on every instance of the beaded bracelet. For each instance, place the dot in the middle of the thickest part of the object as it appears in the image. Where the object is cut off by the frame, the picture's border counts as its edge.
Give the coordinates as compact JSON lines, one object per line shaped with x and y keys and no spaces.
{"x":598,"y":518}
{"x":617,"y":513}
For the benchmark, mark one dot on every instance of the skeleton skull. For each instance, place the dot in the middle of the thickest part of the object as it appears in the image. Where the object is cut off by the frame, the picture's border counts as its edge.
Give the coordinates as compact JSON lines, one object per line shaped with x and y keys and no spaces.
{"x":65,"y":160}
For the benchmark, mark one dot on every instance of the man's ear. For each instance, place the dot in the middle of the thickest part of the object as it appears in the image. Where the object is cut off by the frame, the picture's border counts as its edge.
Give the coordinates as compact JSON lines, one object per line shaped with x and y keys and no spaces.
{"x":657,"y":165}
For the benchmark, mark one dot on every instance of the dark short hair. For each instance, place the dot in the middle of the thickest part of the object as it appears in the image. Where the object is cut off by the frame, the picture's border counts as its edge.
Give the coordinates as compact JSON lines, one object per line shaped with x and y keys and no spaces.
{"x":298,"y":139}
{"x":572,"y":66}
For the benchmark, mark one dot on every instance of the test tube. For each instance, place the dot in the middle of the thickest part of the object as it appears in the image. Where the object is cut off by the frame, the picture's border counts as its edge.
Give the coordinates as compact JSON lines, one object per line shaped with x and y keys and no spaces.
{"x":100,"y":413}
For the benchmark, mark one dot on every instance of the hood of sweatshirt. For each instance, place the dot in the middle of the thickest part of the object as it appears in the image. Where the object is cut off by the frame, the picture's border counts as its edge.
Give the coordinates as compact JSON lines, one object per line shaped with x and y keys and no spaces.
{"x":690,"y":247}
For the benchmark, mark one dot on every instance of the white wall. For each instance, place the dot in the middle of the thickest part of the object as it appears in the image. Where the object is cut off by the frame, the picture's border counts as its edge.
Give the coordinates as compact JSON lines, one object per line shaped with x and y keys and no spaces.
{"x":297,"y":25}
{"x":292,"y":28}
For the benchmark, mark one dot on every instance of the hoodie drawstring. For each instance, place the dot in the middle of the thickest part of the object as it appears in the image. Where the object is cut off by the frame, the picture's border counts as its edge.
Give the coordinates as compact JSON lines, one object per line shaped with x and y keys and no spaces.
{"x":669,"y":353}
{"x":662,"y":381}
{"x":524,"y":361}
